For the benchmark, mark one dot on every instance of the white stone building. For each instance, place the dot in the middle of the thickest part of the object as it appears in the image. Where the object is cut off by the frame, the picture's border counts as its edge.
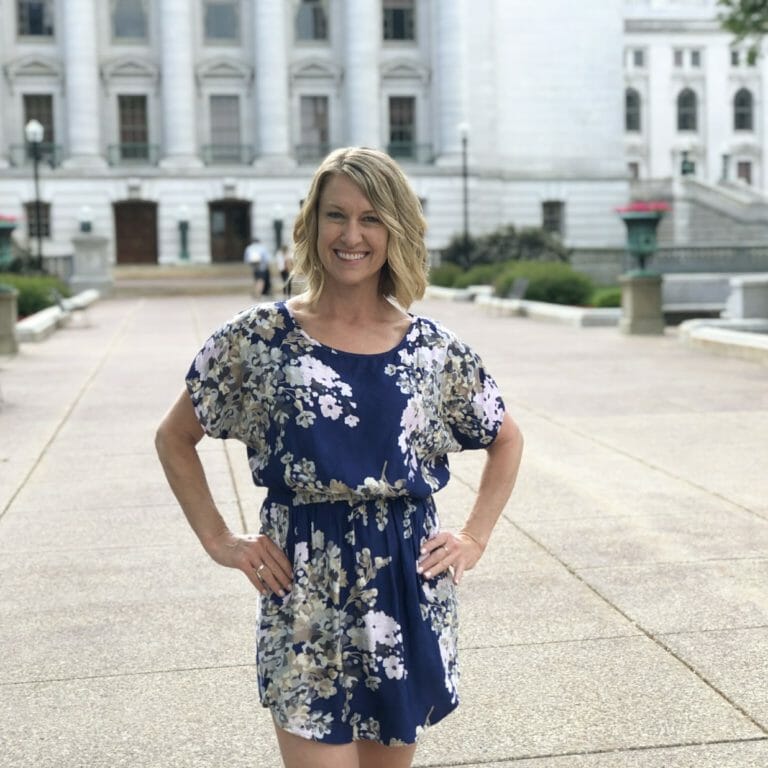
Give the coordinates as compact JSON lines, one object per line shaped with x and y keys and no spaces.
{"x":215,"y":112}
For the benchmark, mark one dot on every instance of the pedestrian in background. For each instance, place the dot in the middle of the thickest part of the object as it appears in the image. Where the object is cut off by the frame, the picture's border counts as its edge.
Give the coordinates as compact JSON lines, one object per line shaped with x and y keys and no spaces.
{"x":257,"y":255}
{"x":349,"y":407}
{"x":284,"y":263}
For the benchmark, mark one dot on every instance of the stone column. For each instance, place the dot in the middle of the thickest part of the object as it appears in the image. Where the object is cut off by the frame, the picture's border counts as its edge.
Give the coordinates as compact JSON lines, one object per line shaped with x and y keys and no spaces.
{"x":179,"y":100}
{"x":82,"y":84}
{"x":4,"y":110}
{"x":271,"y":62}
{"x":449,"y":77}
{"x":362,"y":43}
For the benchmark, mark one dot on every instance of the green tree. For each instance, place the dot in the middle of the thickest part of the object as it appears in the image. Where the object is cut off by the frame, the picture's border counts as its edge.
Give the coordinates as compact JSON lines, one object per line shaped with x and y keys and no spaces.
{"x":747,"y":20}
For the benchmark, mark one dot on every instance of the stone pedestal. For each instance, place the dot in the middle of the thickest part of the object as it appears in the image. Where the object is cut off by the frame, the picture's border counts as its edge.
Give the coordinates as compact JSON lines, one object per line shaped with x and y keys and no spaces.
{"x":748,"y":297}
{"x":8,"y":317}
{"x":91,"y":267}
{"x":641,"y":311}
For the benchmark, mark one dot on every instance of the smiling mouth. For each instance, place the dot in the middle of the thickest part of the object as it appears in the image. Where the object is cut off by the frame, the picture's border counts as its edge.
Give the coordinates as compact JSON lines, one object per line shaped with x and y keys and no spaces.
{"x":351,"y":255}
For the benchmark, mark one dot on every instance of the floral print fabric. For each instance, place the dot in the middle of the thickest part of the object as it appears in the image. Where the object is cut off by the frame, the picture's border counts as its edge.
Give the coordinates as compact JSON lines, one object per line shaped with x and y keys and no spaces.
{"x":351,"y":448}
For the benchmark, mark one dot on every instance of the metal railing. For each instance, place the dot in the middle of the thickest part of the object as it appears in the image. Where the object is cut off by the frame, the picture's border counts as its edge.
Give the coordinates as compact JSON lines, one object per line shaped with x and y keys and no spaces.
{"x":21,"y":154}
{"x":228,"y":154}
{"x":133,"y":154}
{"x":410,"y":151}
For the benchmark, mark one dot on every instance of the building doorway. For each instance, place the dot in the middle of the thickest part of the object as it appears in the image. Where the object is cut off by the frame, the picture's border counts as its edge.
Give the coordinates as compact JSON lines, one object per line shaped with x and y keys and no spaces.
{"x":230,"y":224}
{"x":136,"y":232}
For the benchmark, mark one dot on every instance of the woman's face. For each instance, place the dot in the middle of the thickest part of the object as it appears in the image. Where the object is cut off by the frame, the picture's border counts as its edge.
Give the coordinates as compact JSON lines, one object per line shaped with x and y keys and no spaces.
{"x":351,"y":238}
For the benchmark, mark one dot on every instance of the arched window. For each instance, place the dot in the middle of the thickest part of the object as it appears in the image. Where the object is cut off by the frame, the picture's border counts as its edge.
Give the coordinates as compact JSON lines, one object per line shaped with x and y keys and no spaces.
{"x":686,"y":110}
{"x":631,"y":110}
{"x":743,"y":117}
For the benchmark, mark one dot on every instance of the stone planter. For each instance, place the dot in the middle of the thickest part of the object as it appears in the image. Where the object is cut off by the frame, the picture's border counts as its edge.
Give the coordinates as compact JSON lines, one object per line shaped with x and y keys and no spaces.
{"x":641,"y":307}
{"x":6,"y":253}
{"x":8,"y":317}
{"x":641,"y":304}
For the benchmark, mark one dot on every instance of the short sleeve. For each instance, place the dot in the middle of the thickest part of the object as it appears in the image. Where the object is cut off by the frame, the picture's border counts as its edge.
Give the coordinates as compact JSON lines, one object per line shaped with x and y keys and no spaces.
{"x":472,"y":407}
{"x":214,"y":382}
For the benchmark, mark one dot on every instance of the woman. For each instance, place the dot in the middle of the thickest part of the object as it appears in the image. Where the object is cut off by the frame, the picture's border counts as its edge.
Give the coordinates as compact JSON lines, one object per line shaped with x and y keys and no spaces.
{"x":348,"y":406}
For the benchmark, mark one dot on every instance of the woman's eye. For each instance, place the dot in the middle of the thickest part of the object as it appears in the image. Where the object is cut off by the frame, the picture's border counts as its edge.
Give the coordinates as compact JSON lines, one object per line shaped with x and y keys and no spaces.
{"x":333,"y":215}
{"x":372,"y":220}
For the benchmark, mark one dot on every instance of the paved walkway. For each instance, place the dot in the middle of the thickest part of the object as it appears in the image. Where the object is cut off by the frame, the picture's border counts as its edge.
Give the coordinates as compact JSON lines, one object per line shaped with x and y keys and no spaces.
{"x":618,"y":620}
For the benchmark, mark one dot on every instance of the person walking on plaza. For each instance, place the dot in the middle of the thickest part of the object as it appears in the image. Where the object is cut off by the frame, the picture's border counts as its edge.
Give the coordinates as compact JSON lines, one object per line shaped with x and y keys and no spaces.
{"x":257,"y":255}
{"x":349,"y":406}
{"x":284,"y":263}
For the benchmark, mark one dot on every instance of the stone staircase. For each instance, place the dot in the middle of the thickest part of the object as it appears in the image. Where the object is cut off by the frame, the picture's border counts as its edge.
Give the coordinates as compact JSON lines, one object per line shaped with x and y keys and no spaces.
{"x":181,"y":279}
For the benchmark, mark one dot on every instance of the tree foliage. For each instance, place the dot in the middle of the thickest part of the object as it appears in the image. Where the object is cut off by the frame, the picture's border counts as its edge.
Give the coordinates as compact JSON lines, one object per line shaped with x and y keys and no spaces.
{"x":746,"y":20}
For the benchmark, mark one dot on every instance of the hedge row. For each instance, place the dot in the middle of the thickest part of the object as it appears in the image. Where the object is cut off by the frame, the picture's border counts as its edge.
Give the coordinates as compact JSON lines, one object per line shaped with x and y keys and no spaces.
{"x":34,"y":291}
{"x":550,"y":281}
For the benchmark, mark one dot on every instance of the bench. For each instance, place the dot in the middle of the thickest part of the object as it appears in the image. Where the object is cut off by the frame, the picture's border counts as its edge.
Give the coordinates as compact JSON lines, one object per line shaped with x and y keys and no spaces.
{"x":77,"y":304}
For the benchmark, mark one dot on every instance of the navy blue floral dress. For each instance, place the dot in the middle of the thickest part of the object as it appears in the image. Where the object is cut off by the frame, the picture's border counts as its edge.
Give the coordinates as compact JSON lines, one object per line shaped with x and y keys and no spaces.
{"x":351,"y":448}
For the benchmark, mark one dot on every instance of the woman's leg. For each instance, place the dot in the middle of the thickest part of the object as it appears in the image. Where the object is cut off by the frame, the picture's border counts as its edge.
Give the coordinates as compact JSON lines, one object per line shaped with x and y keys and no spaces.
{"x":374,"y":755}
{"x":305,"y":753}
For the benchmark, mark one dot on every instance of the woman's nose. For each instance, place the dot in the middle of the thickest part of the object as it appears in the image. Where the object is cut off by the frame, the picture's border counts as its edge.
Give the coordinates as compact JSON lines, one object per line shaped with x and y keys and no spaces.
{"x":351,"y":232}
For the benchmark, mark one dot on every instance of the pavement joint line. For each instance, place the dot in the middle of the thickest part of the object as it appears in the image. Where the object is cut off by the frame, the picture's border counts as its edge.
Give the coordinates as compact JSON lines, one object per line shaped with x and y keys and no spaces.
{"x":683,"y":633}
{"x":650,"y":465}
{"x":656,"y":639}
{"x":645,"y":563}
{"x":84,"y":387}
{"x":588,"y":753}
{"x":536,"y":643}
{"x":117,"y":675}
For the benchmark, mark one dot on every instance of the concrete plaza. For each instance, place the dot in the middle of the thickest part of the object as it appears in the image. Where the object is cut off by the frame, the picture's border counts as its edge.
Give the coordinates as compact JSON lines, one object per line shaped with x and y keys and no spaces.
{"x":618,"y":620}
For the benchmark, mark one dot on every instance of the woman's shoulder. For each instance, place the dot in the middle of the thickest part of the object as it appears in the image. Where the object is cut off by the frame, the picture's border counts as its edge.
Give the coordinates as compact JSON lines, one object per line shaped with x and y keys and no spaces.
{"x":260,"y":320}
{"x":432,"y":332}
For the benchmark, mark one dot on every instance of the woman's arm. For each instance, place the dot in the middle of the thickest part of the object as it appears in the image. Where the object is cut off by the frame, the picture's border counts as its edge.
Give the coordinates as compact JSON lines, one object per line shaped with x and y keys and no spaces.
{"x":176,"y":442}
{"x":462,"y":550}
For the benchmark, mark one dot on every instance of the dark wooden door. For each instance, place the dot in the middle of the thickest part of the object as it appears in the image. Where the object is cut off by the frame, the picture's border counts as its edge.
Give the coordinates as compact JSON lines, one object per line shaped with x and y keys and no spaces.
{"x":230,"y":224}
{"x":136,"y":232}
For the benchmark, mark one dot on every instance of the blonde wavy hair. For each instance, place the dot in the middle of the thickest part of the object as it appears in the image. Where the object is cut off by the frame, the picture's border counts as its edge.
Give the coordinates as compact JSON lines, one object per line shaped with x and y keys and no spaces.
{"x":404,"y":275}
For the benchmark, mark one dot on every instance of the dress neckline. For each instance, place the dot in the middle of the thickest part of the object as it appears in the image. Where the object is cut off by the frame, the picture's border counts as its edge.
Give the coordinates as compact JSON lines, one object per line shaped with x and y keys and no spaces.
{"x":296,"y":325}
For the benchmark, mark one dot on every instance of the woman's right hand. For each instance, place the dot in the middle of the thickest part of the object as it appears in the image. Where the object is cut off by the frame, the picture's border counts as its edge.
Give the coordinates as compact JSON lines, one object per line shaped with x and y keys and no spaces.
{"x":257,"y":556}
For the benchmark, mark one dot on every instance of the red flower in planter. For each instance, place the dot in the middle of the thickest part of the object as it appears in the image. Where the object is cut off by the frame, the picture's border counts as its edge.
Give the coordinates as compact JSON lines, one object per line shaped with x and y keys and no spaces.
{"x":10,"y":219}
{"x":644,"y":206}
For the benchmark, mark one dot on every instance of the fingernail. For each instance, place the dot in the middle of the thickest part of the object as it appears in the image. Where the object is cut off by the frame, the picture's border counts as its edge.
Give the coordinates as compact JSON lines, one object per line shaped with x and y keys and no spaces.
{"x":281,"y":593}
{"x":423,"y":550}
{"x":428,"y":575}
{"x":418,"y":569}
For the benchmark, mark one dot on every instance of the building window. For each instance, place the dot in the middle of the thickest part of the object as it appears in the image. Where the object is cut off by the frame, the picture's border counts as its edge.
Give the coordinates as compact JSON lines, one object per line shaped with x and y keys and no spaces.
{"x":313,"y":113}
{"x":39,"y":106}
{"x":222,"y":19}
{"x":734,"y":58}
{"x":744,"y":171}
{"x":402,"y":126}
{"x":35,"y":18}
{"x":631,"y":110}
{"x":134,"y":130}
{"x":677,"y":58}
{"x":743,"y":118}
{"x":633,"y":169}
{"x":43,"y":226}
{"x":696,"y":58}
{"x":399,"y":20}
{"x":686,"y":110}
{"x":312,"y":20}
{"x":129,"y":19}
{"x":553,"y":217}
{"x":638,"y":58}
{"x":225,"y":129}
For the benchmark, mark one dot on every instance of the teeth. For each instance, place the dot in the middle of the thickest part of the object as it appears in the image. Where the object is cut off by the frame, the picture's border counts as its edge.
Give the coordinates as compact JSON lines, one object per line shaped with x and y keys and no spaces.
{"x":346,"y":256}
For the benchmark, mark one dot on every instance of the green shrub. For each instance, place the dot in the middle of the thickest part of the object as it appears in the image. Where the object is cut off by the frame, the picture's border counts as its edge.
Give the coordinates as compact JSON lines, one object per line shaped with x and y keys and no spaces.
{"x":606,"y":297}
{"x":505,"y":244}
{"x":480,"y":274}
{"x":34,"y":291}
{"x":553,"y":282}
{"x":445,"y":275}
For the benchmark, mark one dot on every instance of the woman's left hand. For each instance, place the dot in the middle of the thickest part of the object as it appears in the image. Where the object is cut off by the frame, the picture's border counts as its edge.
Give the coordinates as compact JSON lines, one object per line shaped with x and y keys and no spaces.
{"x":458,"y":552}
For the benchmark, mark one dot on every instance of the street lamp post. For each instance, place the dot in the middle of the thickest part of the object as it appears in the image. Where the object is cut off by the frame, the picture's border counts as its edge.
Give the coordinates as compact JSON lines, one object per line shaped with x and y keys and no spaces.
{"x":34,"y":133}
{"x":182,"y":219}
{"x":278,"y":214}
{"x":464,"y":134}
